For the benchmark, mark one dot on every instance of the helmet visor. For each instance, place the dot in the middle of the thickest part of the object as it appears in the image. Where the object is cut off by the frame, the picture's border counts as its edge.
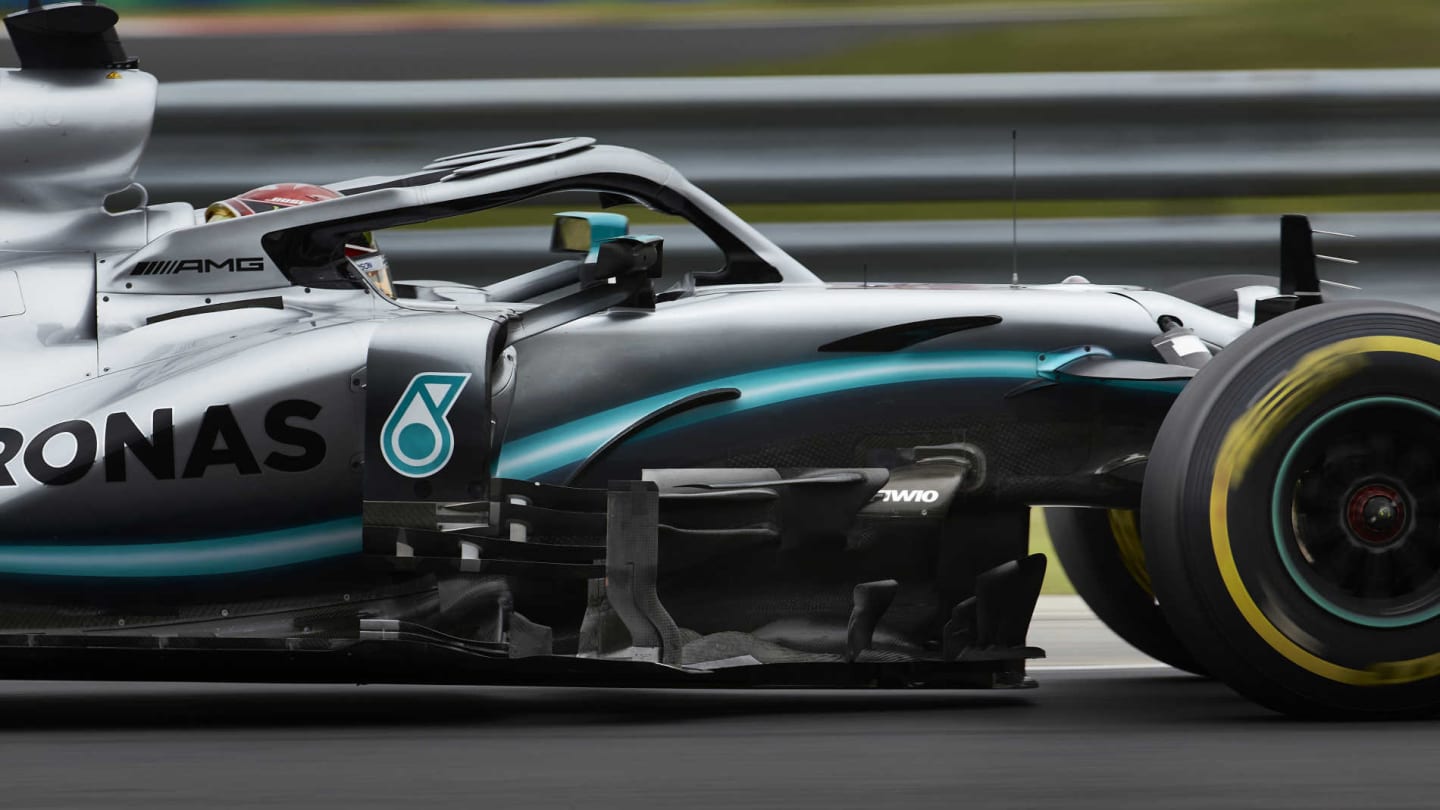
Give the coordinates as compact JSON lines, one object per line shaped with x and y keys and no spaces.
{"x":374,"y":267}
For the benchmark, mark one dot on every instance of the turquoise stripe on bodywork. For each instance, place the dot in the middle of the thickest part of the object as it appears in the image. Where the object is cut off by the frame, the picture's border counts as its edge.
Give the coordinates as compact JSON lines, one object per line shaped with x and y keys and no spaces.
{"x":189,"y":558}
{"x":529,"y":458}
{"x":563,"y":445}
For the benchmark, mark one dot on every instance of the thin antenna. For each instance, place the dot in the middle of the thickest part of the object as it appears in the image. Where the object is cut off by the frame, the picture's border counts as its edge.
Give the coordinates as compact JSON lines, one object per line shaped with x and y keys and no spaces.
{"x":865,"y":275}
{"x":1014,"y":208}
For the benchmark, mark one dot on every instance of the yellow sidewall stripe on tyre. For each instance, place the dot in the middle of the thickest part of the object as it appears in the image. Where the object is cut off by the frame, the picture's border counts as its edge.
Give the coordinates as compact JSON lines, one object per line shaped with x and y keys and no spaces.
{"x":1126,"y":531}
{"x":1316,"y":372}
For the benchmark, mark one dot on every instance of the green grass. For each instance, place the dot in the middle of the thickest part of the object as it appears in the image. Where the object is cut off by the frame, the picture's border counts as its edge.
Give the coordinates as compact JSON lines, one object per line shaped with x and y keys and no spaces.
{"x":1161,"y":35}
{"x":1055,"y":580}
{"x":652,"y":8}
{"x":1200,"y":35}
{"x":596,"y":10}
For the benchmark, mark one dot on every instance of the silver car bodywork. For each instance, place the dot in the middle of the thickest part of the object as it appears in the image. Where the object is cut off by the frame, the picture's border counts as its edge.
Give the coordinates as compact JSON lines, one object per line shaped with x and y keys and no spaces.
{"x":187,"y":406}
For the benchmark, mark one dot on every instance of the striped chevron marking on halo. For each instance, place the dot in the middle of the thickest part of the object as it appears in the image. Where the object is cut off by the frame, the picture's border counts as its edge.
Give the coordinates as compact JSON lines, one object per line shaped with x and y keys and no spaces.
{"x":189,"y":558}
{"x":552,"y":449}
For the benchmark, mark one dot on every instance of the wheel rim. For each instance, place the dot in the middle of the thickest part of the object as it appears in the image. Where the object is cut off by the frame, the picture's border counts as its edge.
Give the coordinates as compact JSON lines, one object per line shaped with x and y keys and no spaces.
{"x":1356,"y":512}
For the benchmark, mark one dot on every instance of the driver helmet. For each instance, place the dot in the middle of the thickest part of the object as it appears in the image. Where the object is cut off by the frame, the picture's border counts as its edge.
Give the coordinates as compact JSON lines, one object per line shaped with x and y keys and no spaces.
{"x":360,"y":248}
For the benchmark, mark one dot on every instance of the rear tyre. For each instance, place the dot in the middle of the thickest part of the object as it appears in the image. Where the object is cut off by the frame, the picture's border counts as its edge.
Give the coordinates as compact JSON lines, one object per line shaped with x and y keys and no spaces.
{"x":1101,"y":553}
{"x":1291,"y":512}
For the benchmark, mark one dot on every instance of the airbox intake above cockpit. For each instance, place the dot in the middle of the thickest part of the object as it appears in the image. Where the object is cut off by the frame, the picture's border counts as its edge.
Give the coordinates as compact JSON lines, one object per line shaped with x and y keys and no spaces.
{"x":72,"y":130}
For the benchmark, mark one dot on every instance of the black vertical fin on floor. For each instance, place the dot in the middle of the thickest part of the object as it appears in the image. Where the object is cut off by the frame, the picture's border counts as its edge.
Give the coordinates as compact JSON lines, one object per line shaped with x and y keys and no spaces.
{"x":870,"y":600}
{"x":632,"y":551}
{"x":959,"y":632}
{"x":1005,"y":598}
{"x":994,"y":623}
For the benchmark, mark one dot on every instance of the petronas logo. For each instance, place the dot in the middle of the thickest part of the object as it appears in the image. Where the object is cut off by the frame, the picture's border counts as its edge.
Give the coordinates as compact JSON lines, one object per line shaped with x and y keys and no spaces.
{"x":416,"y":440}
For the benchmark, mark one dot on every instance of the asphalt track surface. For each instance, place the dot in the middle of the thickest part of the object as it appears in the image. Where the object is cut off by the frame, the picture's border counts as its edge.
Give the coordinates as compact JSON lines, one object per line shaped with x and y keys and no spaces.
{"x":551,"y":50}
{"x":1128,"y":734}
{"x":1131,"y":735}
{"x":1082,"y":740}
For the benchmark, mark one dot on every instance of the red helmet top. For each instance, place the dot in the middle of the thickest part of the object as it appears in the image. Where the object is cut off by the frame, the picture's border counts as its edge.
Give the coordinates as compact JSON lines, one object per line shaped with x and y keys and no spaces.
{"x":269,"y":198}
{"x":361,"y":249}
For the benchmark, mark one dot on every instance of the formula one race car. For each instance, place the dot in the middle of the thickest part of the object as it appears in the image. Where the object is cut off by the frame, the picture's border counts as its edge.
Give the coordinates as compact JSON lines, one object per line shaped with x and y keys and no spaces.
{"x":231,"y":447}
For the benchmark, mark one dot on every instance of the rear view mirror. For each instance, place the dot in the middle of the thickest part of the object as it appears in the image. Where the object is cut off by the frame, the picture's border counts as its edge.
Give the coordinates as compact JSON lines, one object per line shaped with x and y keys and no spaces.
{"x":583,"y":232}
{"x":572,"y":235}
{"x":631,"y":255}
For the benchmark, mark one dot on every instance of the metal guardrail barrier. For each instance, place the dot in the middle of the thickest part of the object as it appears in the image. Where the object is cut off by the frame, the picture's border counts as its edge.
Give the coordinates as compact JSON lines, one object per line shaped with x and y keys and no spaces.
{"x":1399,"y":254}
{"x":875,"y":138}
{"x":841,"y":138}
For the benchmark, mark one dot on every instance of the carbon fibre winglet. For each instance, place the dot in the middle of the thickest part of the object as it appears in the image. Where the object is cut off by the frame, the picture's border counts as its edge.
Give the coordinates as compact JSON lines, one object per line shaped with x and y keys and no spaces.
{"x":68,"y":36}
